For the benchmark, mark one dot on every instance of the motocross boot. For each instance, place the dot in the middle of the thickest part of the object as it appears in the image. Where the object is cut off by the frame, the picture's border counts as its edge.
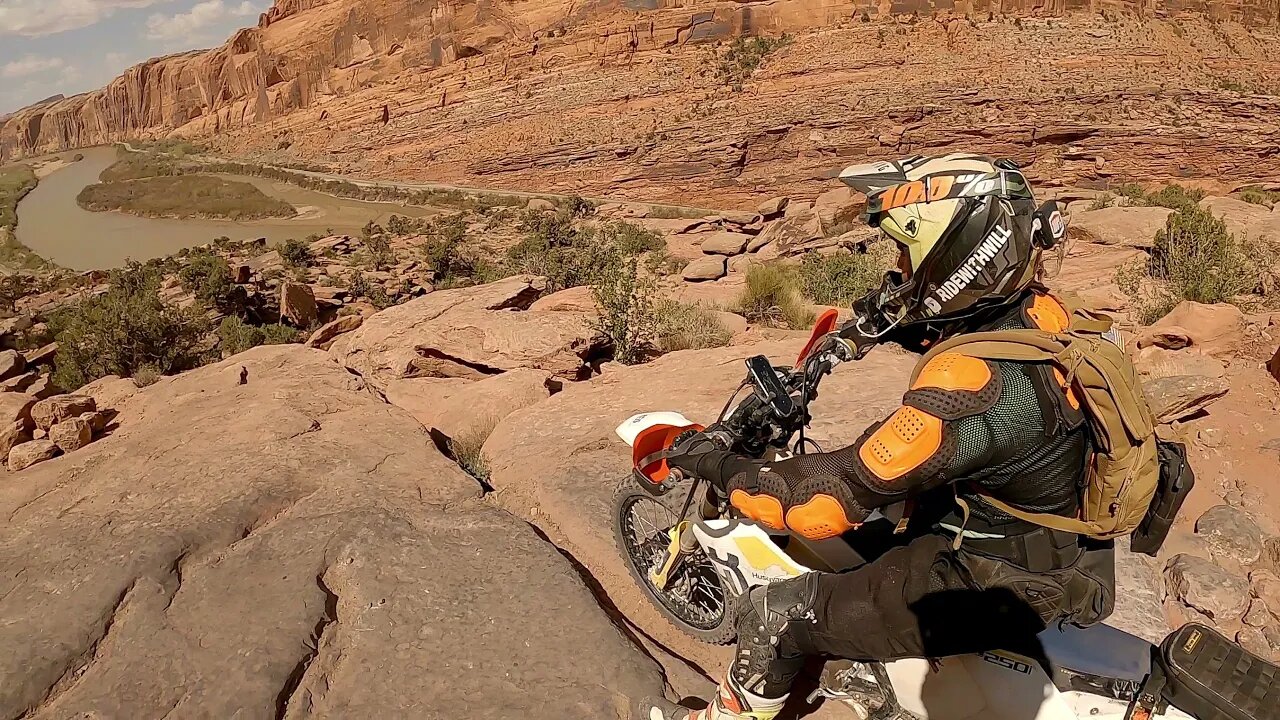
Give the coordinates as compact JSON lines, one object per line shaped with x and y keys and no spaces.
{"x":730,"y":703}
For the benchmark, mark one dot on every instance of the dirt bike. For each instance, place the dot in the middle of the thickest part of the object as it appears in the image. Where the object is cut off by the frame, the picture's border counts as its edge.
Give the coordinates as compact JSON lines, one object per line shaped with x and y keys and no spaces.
{"x":692,"y":556}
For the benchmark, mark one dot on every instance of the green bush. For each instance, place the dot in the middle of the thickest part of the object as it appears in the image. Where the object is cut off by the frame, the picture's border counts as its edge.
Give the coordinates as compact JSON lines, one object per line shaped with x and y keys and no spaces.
{"x":841,"y":278}
{"x":743,"y":56}
{"x":626,"y":307}
{"x":208,"y":277}
{"x":1173,"y":196}
{"x":236,"y":336}
{"x":772,"y":297}
{"x":1103,"y":201}
{"x":682,"y":326}
{"x":1194,"y":258}
{"x":568,"y":255}
{"x":446,"y":251}
{"x":15,"y":287}
{"x":1258,"y":196}
{"x":124,"y":330}
{"x":295,"y":252}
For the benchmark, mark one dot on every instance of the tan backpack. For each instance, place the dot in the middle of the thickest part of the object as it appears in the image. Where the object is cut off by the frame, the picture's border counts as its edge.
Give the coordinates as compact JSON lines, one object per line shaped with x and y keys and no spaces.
{"x":1124,"y":471}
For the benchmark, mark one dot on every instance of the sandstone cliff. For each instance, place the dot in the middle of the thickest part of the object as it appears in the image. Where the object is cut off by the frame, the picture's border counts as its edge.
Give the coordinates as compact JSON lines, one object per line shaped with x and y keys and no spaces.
{"x":623,"y":96}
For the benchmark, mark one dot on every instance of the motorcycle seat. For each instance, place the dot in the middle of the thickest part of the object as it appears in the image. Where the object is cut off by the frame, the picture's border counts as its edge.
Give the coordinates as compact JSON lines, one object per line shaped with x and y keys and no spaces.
{"x":1100,"y":651}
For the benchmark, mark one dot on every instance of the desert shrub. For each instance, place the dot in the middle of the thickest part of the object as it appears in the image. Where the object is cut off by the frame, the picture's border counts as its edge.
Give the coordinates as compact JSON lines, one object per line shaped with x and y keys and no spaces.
{"x":840,"y":278}
{"x":208,"y":277}
{"x":124,"y":330}
{"x":1258,"y":196}
{"x":740,"y":60}
{"x":377,"y":247}
{"x":467,"y":447}
{"x":15,"y":287}
{"x":569,"y":255}
{"x":1176,"y":197}
{"x":1194,"y":258}
{"x":236,"y":336}
{"x":1172,"y":196}
{"x":1103,"y":201}
{"x":295,"y":252}
{"x":662,"y":262}
{"x":683,"y":326}
{"x":772,"y":297}
{"x":454,"y":262}
{"x":147,"y":375}
{"x":184,"y":196}
{"x":627,"y":318}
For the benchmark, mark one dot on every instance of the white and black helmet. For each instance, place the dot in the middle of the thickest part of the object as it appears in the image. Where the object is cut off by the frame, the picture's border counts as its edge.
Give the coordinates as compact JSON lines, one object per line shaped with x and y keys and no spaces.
{"x":968,"y":227}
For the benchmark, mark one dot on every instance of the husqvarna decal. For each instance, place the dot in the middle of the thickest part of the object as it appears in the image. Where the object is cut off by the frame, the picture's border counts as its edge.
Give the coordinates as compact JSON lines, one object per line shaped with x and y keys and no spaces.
{"x":744,"y":555}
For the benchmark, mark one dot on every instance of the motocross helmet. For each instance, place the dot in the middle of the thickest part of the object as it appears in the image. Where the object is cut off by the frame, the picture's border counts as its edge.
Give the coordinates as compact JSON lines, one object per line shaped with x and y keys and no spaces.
{"x":968,"y":230}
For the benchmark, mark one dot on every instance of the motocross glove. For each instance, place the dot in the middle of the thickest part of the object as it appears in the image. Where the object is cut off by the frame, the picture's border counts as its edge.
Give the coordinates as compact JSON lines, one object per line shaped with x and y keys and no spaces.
{"x":701,"y":454}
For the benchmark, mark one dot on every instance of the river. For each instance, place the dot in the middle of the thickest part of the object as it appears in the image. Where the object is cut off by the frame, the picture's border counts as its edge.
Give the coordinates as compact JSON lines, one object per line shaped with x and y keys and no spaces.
{"x":55,"y":227}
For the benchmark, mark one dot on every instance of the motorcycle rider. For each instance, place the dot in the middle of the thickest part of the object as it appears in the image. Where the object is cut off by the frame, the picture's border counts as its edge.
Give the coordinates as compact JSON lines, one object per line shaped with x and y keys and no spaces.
{"x":974,"y":578}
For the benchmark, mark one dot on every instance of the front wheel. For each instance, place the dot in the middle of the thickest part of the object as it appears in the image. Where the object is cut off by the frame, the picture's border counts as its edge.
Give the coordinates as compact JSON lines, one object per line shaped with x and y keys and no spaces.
{"x":694,"y":600}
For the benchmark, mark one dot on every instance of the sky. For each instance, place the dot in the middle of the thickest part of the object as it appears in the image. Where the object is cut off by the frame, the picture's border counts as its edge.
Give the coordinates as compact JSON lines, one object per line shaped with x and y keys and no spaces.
{"x":50,"y":47}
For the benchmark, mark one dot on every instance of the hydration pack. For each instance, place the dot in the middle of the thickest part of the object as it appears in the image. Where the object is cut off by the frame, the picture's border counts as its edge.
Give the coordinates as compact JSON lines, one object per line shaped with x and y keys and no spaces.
{"x":1096,"y":373}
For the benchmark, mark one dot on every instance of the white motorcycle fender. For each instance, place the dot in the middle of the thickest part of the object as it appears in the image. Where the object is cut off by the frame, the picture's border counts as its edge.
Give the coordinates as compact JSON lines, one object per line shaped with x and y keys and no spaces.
{"x":636,"y":424}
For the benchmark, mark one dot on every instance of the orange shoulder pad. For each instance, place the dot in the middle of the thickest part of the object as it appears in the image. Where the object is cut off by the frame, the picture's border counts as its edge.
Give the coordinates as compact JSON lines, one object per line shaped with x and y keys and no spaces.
{"x":903,"y":443}
{"x":953,"y":371}
{"x":1048,"y":314}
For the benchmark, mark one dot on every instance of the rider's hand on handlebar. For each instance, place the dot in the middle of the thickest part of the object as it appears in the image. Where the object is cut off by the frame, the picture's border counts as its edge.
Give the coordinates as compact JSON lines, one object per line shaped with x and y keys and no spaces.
{"x":692,"y":447}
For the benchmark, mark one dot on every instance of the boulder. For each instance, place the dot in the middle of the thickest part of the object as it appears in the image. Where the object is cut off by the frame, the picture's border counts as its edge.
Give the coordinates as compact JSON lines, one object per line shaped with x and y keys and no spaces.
{"x":20,"y":383}
{"x":109,"y":391}
{"x":562,"y":476}
{"x":725,"y":243}
{"x":1139,"y":598}
{"x":575,"y":299}
{"x":324,"y":336}
{"x":72,"y":434}
{"x":16,"y":408}
{"x":297,"y":304}
{"x":1231,"y":534}
{"x":27,"y":454}
{"x":1273,"y":365}
{"x":1170,"y":337}
{"x":1214,"y":329}
{"x":454,"y":407}
{"x":1258,"y":615}
{"x":773,"y":207}
{"x":469,"y":333}
{"x":1207,"y":588}
{"x":50,"y":411}
{"x":42,"y":355}
{"x":241,"y":273}
{"x":1179,"y":396}
{"x":1124,"y":226}
{"x":43,"y":387}
{"x":792,"y":231}
{"x":1156,"y":362}
{"x":358,"y":559}
{"x":1255,"y":641}
{"x":1245,"y":220}
{"x":1265,"y":585}
{"x":838,"y":206}
{"x":11,"y":364}
{"x":711,"y":267}
{"x":539,"y":205}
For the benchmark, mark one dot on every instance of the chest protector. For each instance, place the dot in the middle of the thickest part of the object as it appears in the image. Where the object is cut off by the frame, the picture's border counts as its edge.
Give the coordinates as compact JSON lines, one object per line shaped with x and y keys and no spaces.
{"x":1124,"y":470}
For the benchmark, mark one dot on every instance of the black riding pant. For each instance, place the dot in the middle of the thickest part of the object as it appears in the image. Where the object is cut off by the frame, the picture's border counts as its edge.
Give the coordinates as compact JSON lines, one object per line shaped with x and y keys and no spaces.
{"x":925,"y":600}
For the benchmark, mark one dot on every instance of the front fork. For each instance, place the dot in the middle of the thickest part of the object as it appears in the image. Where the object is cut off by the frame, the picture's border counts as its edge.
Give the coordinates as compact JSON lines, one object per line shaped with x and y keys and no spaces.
{"x":681,"y":542}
